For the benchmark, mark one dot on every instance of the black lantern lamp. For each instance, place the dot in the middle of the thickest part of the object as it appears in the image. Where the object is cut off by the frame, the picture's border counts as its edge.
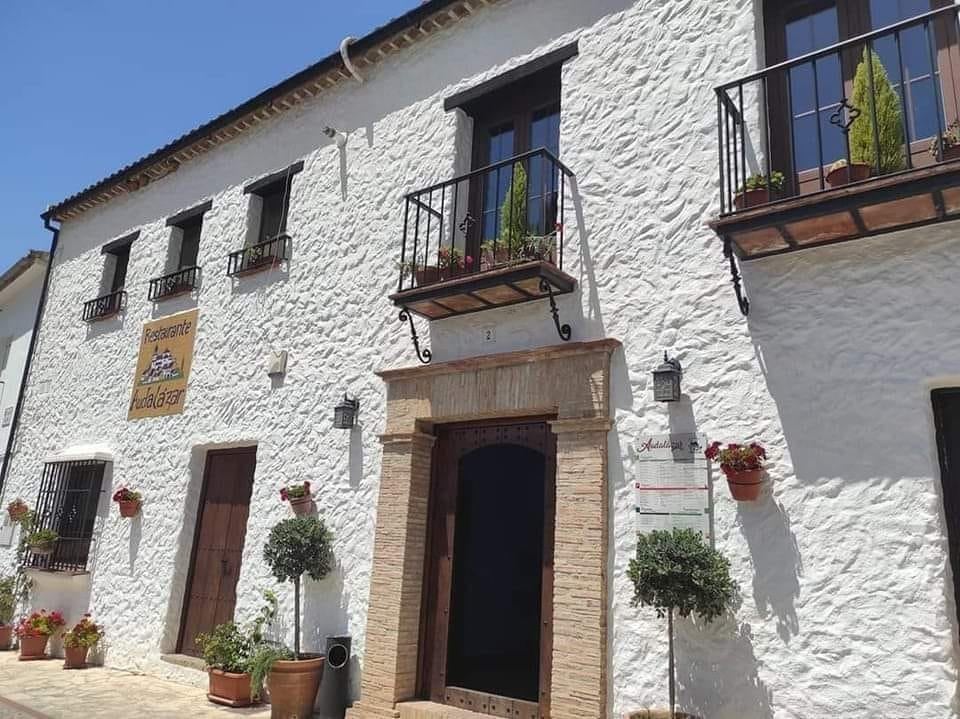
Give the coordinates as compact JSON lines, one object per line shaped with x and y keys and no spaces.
{"x":345,"y":413}
{"x":666,"y":380}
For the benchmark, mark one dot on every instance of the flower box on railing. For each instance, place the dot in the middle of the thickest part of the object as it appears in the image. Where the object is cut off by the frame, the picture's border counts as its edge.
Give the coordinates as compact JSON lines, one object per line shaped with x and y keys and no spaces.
{"x":259,"y":257}
{"x":103,"y":307}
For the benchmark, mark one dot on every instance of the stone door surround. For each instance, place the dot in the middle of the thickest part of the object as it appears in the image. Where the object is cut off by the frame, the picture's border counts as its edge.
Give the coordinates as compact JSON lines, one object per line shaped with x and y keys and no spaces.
{"x":570,"y":382}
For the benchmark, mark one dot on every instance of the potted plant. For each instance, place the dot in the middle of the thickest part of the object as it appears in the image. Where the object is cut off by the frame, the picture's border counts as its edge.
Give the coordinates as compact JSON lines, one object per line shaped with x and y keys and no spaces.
{"x":296,"y":546}
{"x":42,"y":542}
{"x":8,"y":604}
{"x":79,"y":640}
{"x":226,"y":652}
{"x":756,"y":192}
{"x":18,"y":510}
{"x":675,"y":572}
{"x":947,"y":148}
{"x":884,"y":105}
{"x":298,"y":495}
{"x":34,"y":631}
{"x":452,"y":262}
{"x":128,"y":501}
{"x":743,"y":466}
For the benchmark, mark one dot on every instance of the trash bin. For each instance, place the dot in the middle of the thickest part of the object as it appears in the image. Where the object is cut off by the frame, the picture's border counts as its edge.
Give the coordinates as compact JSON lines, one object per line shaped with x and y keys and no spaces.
{"x":334,"y":692}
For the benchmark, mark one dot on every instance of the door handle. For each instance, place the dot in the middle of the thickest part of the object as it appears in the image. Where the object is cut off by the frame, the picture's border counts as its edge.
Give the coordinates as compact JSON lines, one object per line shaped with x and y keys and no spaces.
{"x":224,"y":567}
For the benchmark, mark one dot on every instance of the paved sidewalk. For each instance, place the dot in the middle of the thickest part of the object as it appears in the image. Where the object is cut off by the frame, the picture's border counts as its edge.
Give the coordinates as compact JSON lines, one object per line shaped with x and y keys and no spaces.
{"x":44,"y":690}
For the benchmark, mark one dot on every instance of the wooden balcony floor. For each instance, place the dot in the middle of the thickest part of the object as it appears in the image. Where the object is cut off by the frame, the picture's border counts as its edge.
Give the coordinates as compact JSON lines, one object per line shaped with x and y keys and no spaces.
{"x":912,"y":198}
{"x":478,"y":291}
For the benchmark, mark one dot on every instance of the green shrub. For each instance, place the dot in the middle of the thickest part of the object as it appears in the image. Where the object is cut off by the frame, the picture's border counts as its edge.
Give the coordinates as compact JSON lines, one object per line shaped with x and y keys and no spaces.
{"x":759,"y":182}
{"x":513,"y":213}
{"x":8,"y":599}
{"x":226,"y":648}
{"x":886,"y":105}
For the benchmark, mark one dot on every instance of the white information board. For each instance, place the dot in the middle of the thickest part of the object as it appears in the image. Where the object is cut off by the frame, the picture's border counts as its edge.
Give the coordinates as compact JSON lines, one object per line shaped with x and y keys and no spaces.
{"x":672,"y":483}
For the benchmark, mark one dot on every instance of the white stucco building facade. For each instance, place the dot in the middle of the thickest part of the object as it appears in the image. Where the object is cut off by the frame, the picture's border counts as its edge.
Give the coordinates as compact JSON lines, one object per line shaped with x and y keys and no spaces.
{"x":848,"y":605}
{"x":20,"y":289}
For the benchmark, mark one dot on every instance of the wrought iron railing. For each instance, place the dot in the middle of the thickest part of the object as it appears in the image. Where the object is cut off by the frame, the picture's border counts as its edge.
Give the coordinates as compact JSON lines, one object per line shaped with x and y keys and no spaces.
{"x":176,"y":283}
{"x":67,"y":505}
{"x":878,"y":104}
{"x":105,"y":306}
{"x":503,"y":214}
{"x":258,"y":257}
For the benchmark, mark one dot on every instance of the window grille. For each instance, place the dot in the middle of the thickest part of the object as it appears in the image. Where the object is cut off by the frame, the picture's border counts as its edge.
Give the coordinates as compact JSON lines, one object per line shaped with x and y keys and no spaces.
{"x":67,"y":504}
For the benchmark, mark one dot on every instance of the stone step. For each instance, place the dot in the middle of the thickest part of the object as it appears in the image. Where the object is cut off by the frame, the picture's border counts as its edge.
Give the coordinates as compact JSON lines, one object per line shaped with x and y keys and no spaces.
{"x":432,"y":710}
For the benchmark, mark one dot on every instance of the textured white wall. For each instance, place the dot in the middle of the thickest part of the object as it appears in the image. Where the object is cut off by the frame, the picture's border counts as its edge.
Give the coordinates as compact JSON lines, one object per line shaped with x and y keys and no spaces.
{"x":847,"y":606}
{"x":18,"y":312}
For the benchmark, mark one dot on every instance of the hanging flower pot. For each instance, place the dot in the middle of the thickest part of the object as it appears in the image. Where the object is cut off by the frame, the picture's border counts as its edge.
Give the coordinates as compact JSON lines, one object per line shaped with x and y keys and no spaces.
{"x":743,"y":466}
{"x":18,"y":510}
{"x":298,"y":495}
{"x":128,"y":501}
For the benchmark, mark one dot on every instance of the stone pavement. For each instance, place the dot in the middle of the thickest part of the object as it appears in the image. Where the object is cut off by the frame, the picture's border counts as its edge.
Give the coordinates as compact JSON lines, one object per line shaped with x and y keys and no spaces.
{"x":44,"y":690}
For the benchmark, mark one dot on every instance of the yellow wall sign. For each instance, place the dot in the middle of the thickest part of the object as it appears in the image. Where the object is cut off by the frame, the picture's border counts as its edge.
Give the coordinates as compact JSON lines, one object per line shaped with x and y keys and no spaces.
{"x":163,"y":366}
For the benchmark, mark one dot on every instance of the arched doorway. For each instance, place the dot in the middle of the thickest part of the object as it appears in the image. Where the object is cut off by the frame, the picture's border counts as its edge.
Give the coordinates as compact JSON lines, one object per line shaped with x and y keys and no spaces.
{"x":487,"y":625}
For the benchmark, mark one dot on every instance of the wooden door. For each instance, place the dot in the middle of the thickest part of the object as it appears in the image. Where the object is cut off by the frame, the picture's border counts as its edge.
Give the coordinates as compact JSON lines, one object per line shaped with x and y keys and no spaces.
{"x":218,"y":544}
{"x":495,"y":482}
{"x":946,"y":413}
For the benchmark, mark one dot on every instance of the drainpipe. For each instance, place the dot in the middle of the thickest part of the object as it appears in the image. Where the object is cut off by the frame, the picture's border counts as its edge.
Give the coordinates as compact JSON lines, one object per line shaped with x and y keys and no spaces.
{"x":30,"y":350}
{"x":347,"y":63}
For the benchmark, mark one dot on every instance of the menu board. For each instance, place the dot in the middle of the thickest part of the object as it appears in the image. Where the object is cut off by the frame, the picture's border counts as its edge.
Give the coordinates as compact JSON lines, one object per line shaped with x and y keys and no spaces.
{"x":672,"y":483}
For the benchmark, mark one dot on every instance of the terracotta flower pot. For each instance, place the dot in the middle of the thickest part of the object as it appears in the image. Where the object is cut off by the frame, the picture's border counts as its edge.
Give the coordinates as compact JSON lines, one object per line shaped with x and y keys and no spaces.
{"x":854,"y":172}
{"x":33,"y":647}
{"x":951,"y":153}
{"x":752,"y":198}
{"x":301,"y":505}
{"x":6,"y":636}
{"x":129,"y":508}
{"x":75,"y":657}
{"x":745,"y":486}
{"x":426,"y":275}
{"x":232,"y":690}
{"x":293,"y":688}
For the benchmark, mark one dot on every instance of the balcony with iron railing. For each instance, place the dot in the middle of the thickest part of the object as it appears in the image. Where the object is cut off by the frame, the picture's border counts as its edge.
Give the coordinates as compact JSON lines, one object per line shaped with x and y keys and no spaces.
{"x":181,"y":282}
{"x":852,"y":140}
{"x":259,"y":257}
{"x":104,"y":307}
{"x":490,"y":238}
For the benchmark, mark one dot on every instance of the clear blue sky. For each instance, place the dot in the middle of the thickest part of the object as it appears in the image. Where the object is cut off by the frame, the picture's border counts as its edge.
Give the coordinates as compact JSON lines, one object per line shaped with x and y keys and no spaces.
{"x":87,"y":86}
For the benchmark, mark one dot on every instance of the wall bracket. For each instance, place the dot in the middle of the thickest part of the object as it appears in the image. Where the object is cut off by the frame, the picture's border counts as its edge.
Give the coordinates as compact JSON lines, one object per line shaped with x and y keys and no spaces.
{"x":424,"y":355}
{"x":737,"y":280}
{"x":563,"y":330}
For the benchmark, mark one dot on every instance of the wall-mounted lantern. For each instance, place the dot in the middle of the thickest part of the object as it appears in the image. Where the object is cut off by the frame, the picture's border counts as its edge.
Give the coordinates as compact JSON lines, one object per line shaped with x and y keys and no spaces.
{"x":345,"y":413}
{"x":666,"y":380}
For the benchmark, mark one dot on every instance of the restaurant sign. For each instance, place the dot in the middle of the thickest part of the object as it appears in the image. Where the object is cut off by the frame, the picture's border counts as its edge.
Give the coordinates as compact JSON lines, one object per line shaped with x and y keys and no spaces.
{"x":163,"y":366}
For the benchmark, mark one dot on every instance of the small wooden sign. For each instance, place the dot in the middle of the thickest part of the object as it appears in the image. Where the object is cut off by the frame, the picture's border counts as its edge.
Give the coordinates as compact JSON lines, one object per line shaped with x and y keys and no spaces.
{"x":163,"y":366}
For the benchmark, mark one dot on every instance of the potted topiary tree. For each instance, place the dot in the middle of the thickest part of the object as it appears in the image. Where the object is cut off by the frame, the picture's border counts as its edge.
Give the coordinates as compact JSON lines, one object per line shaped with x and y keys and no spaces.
{"x":885,"y":106}
{"x":296,"y":546}
{"x":675,"y":572}
{"x":8,"y":606}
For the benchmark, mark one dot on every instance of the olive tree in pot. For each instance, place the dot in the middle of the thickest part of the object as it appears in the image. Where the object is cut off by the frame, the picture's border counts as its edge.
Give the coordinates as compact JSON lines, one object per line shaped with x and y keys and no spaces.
{"x":676,"y":572}
{"x":297,"y":546}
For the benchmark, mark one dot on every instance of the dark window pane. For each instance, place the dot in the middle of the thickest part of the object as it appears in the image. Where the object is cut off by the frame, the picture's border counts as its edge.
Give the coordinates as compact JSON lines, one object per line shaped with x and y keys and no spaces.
{"x":190,"y":244}
{"x":801,"y":88}
{"x":273,"y":219}
{"x":812,"y":32}
{"x":834,"y":145}
{"x":888,"y":12}
{"x":121,"y":260}
{"x":545,"y":131}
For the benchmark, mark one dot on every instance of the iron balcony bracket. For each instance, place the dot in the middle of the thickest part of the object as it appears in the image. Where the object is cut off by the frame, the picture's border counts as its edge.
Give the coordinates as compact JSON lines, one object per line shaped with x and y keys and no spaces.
{"x":424,"y":355}
{"x":742,"y":301}
{"x":562,"y":330}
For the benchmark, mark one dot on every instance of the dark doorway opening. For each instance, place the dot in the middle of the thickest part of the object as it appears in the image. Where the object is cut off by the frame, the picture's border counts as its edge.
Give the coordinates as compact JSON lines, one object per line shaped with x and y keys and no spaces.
{"x":494,"y":640}
{"x":946,"y":414}
{"x":486,"y":640}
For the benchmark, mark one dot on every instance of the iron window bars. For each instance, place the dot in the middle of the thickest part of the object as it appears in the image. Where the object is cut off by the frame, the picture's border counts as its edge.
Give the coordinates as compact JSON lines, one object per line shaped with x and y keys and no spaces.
{"x":260,"y":256}
{"x":506,"y":213}
{"x":758,"y":116}
{"x":67,"y":504}
{"x":105,"y":306}
{"x":176,"y":283}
